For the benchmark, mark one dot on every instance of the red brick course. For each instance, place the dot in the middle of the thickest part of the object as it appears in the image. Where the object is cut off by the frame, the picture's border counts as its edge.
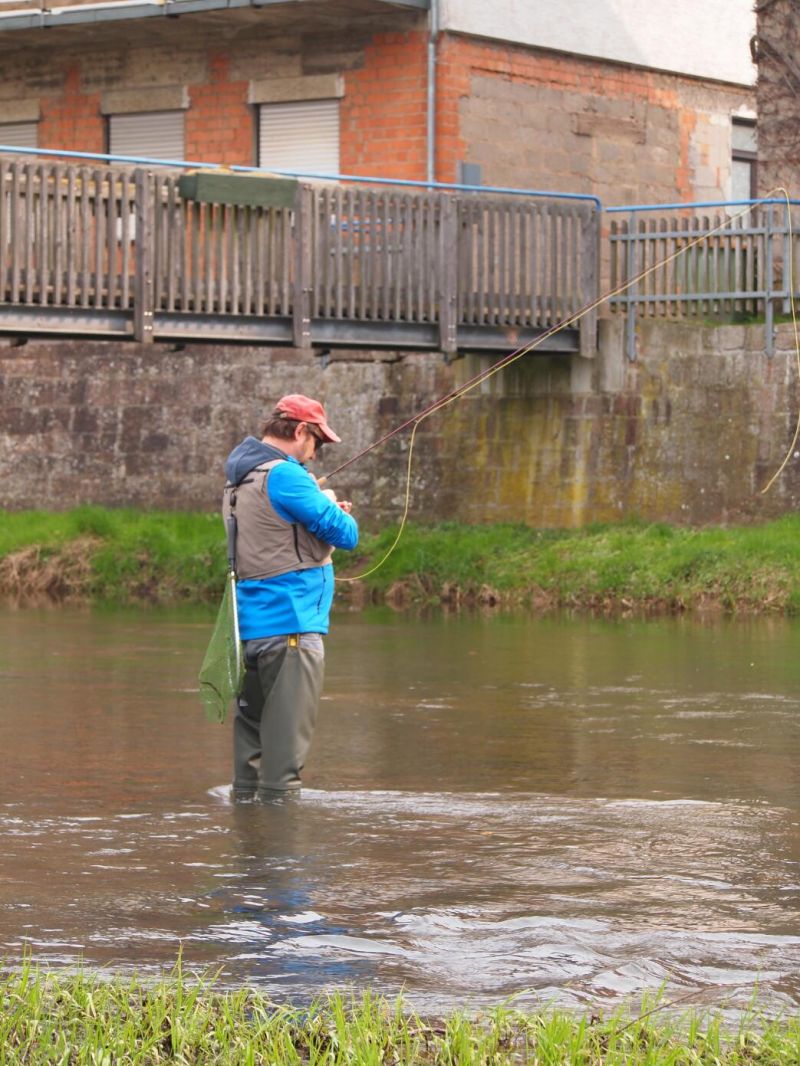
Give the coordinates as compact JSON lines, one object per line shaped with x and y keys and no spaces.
{"x":72,"y":120}
{"x":384,"y":109}
{"x":220,"y":125}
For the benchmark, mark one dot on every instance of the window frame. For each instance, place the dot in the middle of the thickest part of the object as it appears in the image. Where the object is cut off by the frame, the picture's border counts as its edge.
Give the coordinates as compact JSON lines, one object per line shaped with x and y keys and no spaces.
{"x":33,"y":123}
{"x":111,"y":116}
{"x":275,"y":104}
{"x":742,"y":155}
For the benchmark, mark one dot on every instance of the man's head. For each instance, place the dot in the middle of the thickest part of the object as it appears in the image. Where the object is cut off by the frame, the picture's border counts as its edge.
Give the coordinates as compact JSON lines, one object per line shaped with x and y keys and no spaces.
{"x":300,"y":425}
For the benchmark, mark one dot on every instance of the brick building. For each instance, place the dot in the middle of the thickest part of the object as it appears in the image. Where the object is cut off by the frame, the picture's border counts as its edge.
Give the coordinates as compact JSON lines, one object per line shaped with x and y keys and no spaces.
{"x":618,"y":100}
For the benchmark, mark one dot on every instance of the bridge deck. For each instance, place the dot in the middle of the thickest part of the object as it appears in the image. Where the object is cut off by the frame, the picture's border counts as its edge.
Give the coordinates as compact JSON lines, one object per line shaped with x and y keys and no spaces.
{"x":115,"y":252}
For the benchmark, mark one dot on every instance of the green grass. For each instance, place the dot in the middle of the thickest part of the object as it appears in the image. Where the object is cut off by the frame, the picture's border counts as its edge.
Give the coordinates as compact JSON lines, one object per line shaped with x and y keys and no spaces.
{"x":79,"y":1019}
{"x":128,"y":556}
{"x":748,"y":568}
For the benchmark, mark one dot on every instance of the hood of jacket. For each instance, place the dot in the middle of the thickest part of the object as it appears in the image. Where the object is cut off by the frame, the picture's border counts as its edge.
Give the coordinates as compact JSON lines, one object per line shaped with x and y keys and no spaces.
{"x":250,"y":453}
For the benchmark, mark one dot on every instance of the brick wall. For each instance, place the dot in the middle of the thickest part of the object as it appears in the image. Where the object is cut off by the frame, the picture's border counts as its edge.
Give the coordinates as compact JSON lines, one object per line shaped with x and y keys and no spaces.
{"x":543,"y":120}
{"x":384,"y":110}
{"x":689,"y":433}
{"x":72,"y":119}
{"x":526,"y":116}
{"x":219,"y":121}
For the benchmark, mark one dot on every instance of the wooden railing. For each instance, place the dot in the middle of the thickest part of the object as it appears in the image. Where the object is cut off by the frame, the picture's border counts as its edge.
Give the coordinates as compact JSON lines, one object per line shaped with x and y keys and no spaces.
{"x":706,"y":267}
{"x":117,"y":252}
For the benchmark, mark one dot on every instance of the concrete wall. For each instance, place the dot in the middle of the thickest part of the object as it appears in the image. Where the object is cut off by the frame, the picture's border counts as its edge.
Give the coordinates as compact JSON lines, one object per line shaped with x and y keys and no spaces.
{"x":689,"y":433}
{"x":677,"y":36}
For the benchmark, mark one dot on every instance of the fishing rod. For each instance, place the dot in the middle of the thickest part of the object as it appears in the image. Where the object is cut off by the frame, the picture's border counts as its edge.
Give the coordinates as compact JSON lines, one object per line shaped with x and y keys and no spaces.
{"x":511,"y":357}
{"x":482,"y":376}
{"x":441,"y":402}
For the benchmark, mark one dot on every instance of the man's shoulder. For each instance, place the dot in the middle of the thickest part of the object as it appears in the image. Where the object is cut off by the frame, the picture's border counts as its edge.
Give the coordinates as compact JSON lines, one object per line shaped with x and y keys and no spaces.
{"x":291,"y":478}
{"x":289,"y":468}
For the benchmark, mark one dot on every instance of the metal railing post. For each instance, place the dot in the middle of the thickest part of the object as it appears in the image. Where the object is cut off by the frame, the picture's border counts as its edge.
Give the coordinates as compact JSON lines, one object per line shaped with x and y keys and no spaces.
{"x":786,"y":266}
{"x":769,"y":312}
{"x":631,"y":292}
{"x":589,"y":282}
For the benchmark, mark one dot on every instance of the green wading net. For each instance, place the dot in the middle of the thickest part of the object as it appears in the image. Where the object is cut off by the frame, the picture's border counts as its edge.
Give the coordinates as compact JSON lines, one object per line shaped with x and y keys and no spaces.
{"x":222,"y":673}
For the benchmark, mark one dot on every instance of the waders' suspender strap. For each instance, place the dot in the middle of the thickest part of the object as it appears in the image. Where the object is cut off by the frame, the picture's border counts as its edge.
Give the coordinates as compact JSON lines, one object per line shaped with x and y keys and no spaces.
{"x":230,"y":529}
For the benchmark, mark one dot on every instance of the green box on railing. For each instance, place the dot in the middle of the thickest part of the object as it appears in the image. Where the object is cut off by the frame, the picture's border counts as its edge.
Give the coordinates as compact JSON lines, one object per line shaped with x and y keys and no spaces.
{"x":251,"y":190}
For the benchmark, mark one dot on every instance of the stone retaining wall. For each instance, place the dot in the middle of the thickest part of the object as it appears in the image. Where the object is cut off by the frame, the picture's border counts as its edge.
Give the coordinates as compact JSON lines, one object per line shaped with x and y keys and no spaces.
{"x":689,"y":433}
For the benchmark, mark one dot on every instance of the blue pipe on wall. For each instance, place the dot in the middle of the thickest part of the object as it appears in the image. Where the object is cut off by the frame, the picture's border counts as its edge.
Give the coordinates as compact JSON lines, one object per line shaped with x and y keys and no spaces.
{"x":236,"y":168}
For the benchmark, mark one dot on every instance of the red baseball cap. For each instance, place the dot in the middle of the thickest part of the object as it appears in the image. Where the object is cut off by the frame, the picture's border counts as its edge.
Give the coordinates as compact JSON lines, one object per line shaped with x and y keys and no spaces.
{"x":304,"y":409}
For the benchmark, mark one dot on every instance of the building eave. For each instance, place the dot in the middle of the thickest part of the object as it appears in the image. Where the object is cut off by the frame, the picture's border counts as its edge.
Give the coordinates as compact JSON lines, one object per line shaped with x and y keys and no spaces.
{"x":116,"y":10}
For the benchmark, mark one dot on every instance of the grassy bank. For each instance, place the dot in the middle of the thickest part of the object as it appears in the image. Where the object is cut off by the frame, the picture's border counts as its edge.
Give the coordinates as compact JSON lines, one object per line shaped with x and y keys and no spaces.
{"x":77,"y":1020}
{"x":141,"y":557}
{"x":104,"y":555}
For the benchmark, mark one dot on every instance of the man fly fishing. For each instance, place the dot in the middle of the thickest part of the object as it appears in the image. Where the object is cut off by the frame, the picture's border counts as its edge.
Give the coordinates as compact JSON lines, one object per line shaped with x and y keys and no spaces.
{"x":286,"y":530}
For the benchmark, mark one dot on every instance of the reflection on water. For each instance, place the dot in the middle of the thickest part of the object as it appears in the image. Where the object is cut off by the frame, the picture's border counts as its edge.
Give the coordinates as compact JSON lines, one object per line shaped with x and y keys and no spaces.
{"x":576,"y":811}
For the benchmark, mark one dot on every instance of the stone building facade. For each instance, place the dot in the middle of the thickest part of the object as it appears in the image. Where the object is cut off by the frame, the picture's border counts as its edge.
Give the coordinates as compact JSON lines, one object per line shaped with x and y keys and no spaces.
{"x":577,"y":124}
{"x":506,"y":112}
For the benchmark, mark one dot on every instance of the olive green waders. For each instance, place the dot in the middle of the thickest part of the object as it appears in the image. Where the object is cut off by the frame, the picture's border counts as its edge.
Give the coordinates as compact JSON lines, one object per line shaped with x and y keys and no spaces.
{"x":276,"y":714}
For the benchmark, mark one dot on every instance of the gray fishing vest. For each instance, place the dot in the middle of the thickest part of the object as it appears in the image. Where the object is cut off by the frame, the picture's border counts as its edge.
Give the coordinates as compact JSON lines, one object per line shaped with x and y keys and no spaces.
{"x":266,"y":544}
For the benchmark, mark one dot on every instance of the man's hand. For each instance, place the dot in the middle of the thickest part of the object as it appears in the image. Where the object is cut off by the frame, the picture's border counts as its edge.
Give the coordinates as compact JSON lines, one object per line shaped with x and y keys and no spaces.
{"x":345,"y":505}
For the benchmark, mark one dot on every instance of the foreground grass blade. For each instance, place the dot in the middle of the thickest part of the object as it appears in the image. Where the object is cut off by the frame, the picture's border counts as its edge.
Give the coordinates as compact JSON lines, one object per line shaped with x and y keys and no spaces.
{"x":78,"y":1020}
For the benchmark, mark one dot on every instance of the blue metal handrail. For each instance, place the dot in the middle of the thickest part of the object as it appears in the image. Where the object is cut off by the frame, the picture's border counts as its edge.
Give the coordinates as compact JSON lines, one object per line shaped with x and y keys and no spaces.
{"x":105,"y":157}
{"x":630,"y":296}
{"x":633,"y":208}
{"x":239,"y":169}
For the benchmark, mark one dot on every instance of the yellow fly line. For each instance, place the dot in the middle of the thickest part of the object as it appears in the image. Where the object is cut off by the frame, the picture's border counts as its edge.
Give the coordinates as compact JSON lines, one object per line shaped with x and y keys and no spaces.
{"x":457,"y":394}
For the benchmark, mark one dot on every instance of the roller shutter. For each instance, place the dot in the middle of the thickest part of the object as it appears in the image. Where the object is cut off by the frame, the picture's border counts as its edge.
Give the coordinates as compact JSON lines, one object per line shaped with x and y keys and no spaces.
{"x":153,"y":134}
{"x":20,"y":134}
{"x":303,"y":135}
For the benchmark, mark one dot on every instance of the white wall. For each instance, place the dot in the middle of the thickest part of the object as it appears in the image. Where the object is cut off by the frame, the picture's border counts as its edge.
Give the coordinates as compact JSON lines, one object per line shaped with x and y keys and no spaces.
{"x":704,"y":38}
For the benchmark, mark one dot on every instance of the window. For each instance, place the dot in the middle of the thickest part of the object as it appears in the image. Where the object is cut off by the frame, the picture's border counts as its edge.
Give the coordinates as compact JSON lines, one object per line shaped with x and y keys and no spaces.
{"x":149,"y":134}
{"x":20,"y":134}
{"x":300,"y":135}
{"x":744,"y":156}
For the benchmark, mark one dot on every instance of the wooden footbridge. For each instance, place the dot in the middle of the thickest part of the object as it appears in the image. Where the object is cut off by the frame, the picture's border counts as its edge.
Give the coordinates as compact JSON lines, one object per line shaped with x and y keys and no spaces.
{"x":156,"y":254}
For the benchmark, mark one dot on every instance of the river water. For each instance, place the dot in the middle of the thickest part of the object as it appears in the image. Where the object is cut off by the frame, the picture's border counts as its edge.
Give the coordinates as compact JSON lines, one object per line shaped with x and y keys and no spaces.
{"x":572,"y":812}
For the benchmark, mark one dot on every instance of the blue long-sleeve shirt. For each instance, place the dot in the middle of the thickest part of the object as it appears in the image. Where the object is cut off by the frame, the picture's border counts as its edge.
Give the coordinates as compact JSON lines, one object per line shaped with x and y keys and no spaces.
{"x":298,"y":601}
